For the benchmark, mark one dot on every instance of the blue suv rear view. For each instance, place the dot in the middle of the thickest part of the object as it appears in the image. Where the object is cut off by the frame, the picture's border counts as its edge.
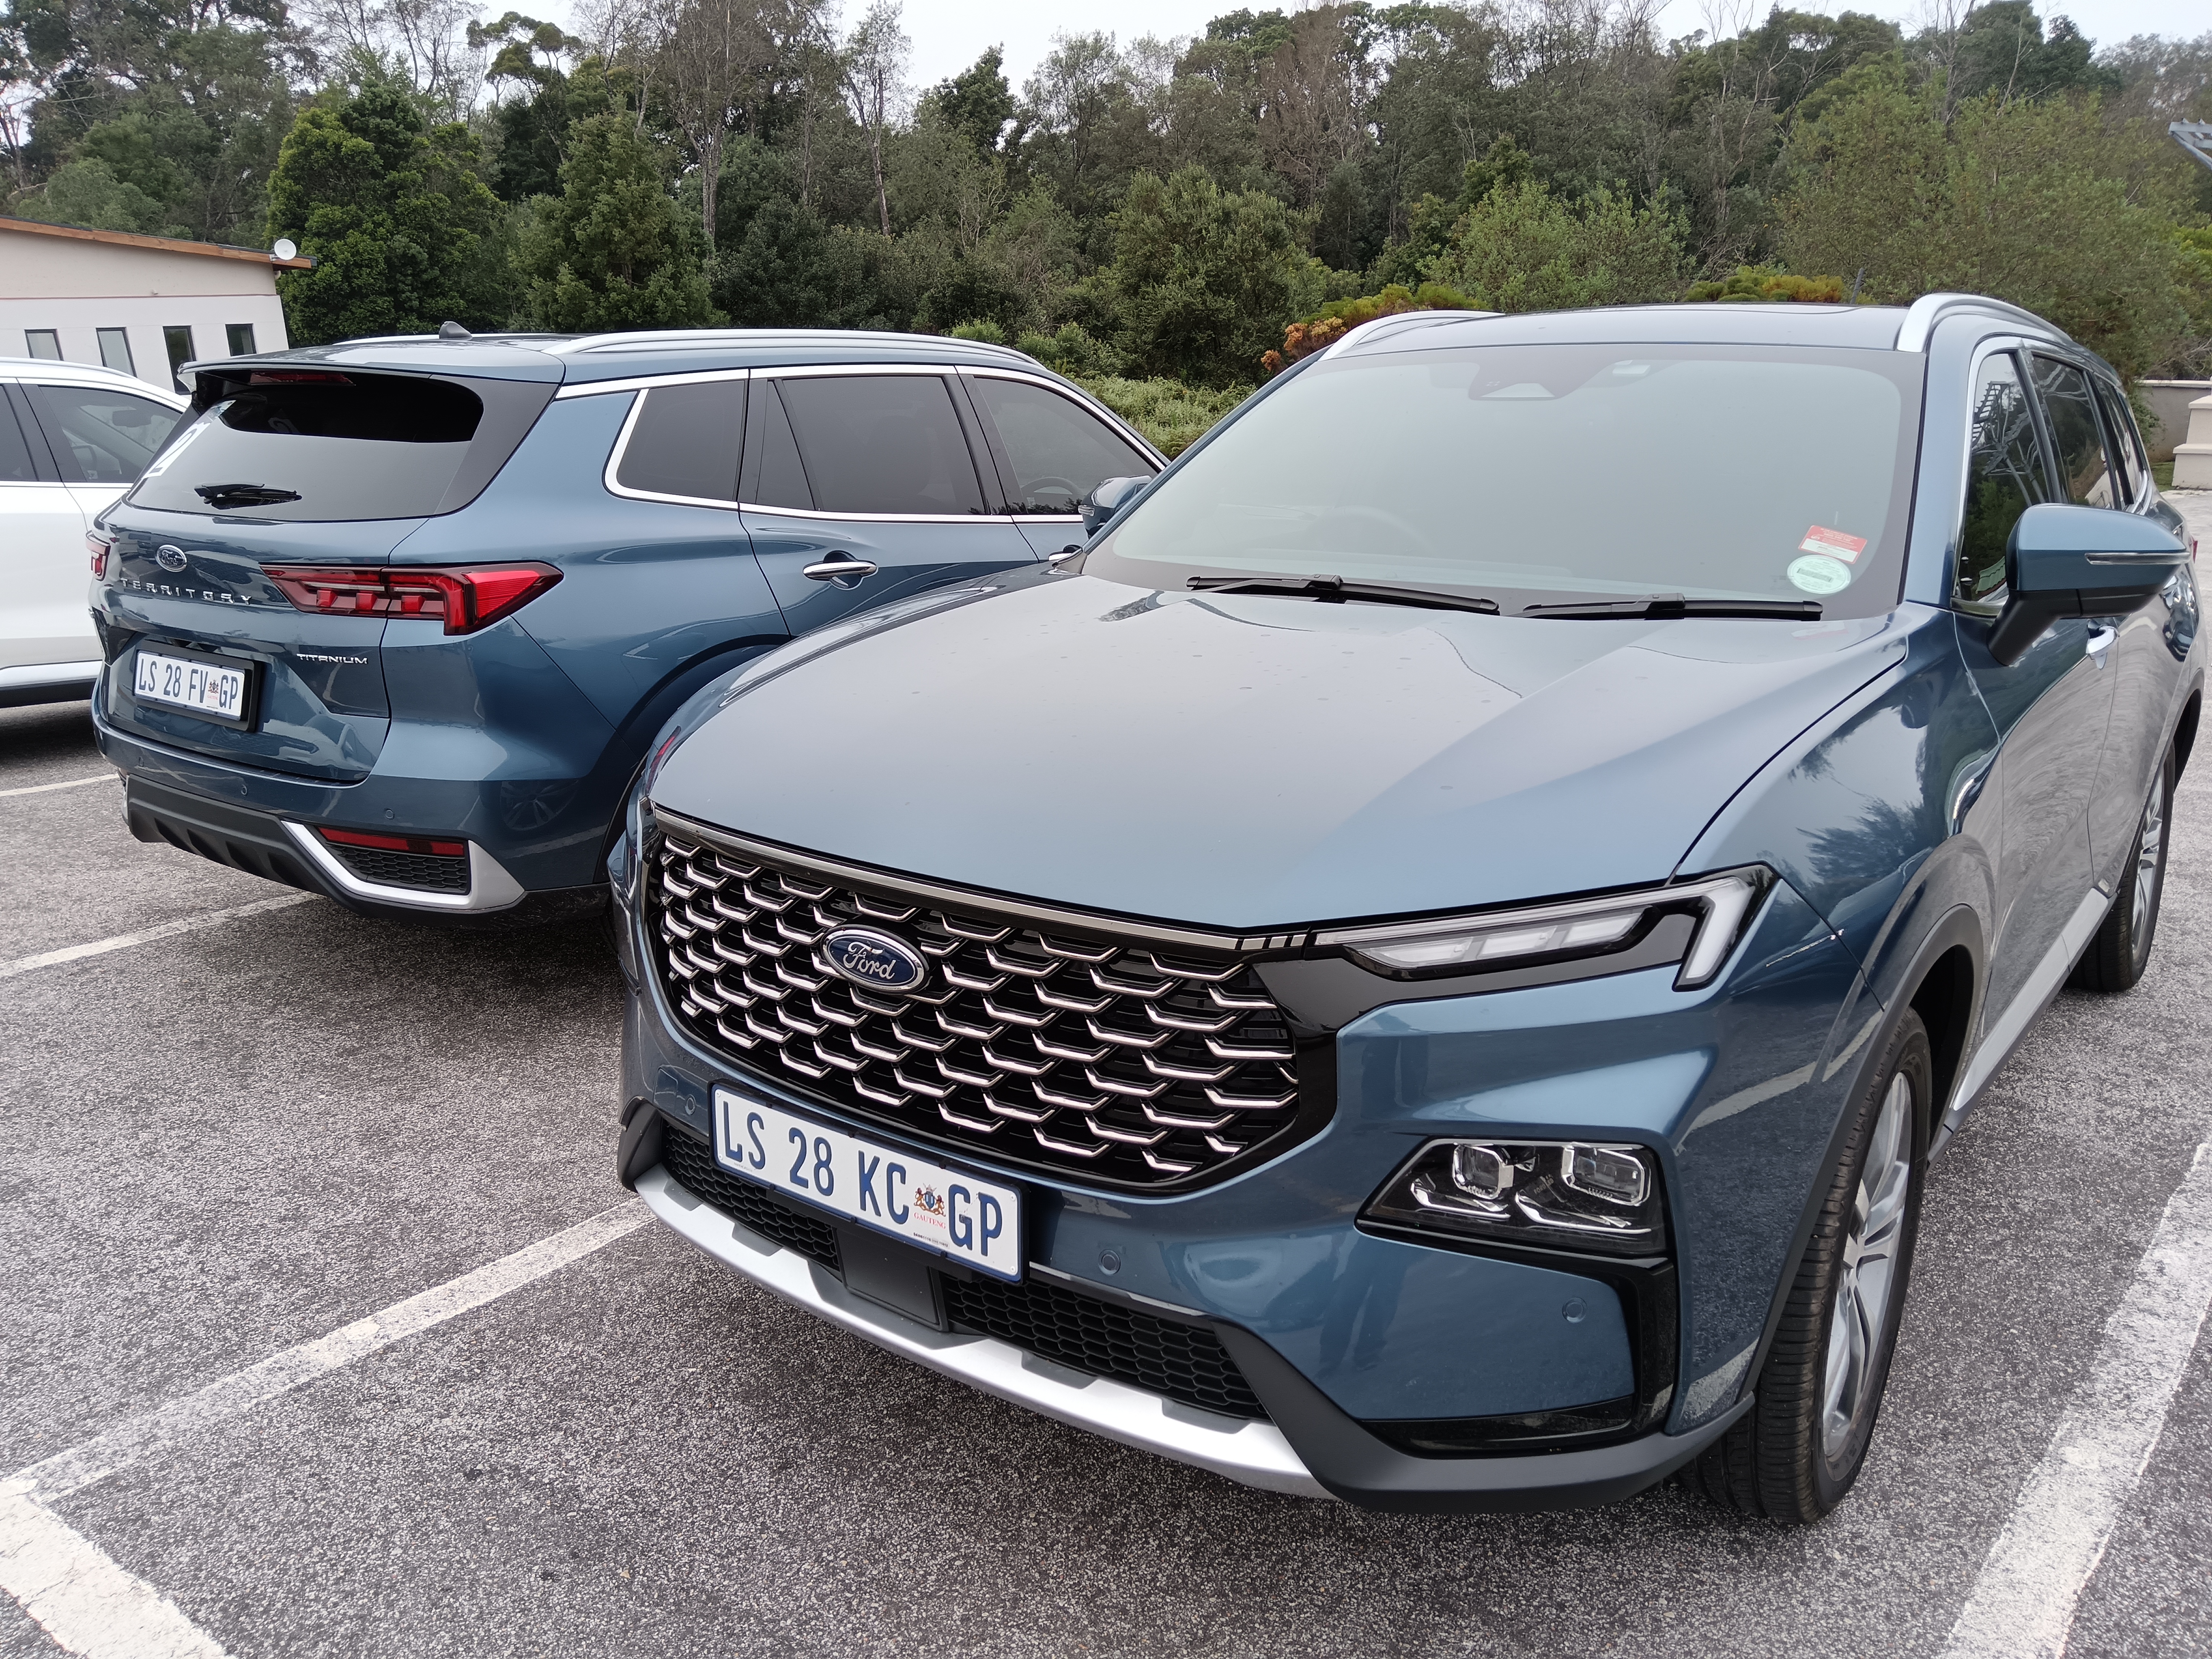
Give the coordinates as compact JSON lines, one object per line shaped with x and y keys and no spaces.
{"x":396,"y":620}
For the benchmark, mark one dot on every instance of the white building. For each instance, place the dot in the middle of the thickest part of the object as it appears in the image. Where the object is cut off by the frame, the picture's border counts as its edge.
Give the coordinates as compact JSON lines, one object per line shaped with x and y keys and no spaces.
{"x":141,"y":304}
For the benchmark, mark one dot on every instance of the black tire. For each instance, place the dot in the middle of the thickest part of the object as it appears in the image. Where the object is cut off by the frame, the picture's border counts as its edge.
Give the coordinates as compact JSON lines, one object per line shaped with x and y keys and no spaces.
{"x":2120,"y":952}
{"x":1784,"y":1462}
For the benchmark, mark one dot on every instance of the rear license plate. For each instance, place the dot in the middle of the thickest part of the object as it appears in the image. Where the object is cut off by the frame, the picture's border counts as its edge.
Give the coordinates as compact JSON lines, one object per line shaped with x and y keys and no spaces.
{"x":213,"y":691}
{"x":957,"y":1215}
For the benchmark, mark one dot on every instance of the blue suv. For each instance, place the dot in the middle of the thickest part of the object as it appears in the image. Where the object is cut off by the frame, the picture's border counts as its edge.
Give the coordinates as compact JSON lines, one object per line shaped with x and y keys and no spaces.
{"x":1429,"y":964}
{"x":395,"y":620}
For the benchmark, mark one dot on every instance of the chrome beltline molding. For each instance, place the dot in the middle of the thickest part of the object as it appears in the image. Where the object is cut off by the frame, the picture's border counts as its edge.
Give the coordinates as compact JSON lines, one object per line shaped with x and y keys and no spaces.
{"x":1252,"y":1454}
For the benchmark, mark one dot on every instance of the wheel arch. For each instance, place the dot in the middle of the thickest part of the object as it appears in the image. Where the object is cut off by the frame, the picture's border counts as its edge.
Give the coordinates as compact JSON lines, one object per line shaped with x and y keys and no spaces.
{"x":2185,"y":730}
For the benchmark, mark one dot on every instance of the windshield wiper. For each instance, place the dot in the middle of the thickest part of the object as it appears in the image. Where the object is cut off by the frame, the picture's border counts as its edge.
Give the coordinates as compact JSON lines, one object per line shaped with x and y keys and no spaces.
{"x":244,"y":495}
{"x":1334,"y":590}
{"x":1658,"y":607}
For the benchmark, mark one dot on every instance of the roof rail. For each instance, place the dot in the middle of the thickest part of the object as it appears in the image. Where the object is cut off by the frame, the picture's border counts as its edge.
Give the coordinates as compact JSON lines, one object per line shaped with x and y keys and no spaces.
{"x":1928,"y":309}
{"x":633,"y":339}
{"x":1398,"y":322}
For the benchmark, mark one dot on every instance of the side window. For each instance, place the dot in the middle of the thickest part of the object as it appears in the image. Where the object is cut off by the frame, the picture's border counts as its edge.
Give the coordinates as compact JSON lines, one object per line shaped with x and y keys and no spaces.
{"x":684,"y":442}
{"x":2127,"y":445}
{"x":2005,"y":476}
{"x":775,"y":476}
{"x":881,"y":443}
{"x":1060,"y":451}
{"x":15,"y":454}
{"x":2075,"y":436}
{"x":100,"y":436}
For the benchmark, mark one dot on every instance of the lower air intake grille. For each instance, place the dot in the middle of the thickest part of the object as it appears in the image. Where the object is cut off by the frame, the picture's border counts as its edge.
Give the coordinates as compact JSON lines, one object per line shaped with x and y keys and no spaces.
{"x":423,"y":870}
{"x":693,"y":1168}
{"x":1165,"y":1355}
{"x":1184,"y":1362}
{"x":1082,"y":1054}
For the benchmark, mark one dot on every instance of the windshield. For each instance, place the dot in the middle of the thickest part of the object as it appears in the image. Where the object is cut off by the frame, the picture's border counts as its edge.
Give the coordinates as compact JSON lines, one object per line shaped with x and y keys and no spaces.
{"x":1545,"y":475}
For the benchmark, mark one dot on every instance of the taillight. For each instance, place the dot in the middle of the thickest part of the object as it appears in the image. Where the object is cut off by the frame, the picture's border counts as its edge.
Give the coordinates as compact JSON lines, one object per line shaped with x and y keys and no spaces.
{"x":463,"y":597}
{"x":444,"y":849}
{"x":97,"y":543}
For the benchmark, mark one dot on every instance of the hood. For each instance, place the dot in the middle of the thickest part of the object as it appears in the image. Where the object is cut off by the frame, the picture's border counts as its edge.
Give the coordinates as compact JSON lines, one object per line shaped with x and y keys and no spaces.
{"x":1252,"y":764}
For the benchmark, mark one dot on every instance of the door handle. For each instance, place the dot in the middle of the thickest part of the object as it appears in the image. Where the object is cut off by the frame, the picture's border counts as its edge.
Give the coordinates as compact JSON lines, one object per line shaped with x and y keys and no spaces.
{"x":2100,"y":640}
{"x":839,"y":567}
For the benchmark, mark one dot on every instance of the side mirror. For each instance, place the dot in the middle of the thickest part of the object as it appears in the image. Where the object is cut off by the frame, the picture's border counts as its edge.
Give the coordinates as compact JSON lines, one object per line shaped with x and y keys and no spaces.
{"x":1103,"y":502}
{"x":2066,"y":561}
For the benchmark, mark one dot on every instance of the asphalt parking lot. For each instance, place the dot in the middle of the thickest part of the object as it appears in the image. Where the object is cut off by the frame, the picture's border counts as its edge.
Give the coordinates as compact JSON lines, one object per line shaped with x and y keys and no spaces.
{"x":246,"y":1129}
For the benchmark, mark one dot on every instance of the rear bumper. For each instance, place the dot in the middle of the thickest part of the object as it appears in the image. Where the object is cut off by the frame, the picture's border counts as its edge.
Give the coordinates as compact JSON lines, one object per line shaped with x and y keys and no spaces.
{"x":1311,"y":1448}
{"x":284,"y":850}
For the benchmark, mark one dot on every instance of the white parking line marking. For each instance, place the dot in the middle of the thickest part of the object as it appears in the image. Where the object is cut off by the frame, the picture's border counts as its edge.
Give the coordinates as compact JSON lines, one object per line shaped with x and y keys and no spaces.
{"x":80,"y":1598}
{"x":142,"y":1436}
{"x":89,"y":1604}
{"x":2023,"y":1604}
{"x":74,"y":783}
{"x":167,"y":929}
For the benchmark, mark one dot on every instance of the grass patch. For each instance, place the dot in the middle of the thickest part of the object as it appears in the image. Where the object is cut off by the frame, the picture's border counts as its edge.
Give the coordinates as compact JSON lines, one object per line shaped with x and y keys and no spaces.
{"x":1173,"y":416}
{"x":2162,"y":471}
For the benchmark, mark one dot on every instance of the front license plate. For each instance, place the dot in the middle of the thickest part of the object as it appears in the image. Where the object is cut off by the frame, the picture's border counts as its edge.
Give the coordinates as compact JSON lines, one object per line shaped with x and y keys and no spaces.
{"x":948,"y":1210}
{"x":202,"y":688}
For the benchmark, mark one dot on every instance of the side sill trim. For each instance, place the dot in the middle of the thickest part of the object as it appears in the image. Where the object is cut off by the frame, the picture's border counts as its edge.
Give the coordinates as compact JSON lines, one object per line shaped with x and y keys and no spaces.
{"x":1252,"y":1454}
{"x":491,"y":888}
{"x":2004,"y":1034}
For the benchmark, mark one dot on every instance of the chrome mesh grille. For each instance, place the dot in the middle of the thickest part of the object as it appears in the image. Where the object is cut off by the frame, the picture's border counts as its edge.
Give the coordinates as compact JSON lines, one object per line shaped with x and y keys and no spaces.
{"x":1118,"y":1062}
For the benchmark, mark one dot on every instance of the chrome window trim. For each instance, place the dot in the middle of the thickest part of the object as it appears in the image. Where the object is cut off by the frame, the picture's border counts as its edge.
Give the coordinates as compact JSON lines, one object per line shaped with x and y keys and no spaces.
{"x":1082,"y":400}
{"x":616,"y":486}
{"x":1983,"y":350}
{"x":874,"y":518}
{"x":646,"y":382}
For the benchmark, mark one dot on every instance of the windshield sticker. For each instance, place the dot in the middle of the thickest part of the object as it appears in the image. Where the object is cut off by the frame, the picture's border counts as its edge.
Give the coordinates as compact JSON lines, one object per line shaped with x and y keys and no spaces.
{"x":1816,"y":573}
{"x":1833,"y":542}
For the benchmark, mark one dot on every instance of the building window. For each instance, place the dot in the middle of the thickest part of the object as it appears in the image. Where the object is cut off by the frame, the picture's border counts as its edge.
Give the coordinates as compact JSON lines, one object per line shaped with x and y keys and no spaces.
{"x":115,"y":349}
{"x":44,"y":342}
{"x":241,"y":339}
{"x":179,"y":341}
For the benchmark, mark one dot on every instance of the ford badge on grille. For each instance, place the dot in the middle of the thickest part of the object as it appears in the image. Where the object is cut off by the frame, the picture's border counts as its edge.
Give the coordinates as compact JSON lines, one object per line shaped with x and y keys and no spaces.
{"x":880,"y":961}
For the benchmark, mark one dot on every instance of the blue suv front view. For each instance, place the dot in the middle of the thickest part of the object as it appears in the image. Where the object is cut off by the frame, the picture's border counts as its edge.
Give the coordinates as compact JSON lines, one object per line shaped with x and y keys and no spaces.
{"x":1427,"y":967}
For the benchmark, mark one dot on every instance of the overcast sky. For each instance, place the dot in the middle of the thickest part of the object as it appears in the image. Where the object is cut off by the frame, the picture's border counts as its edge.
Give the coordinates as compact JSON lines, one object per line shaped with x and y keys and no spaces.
{"x":951,"y":34}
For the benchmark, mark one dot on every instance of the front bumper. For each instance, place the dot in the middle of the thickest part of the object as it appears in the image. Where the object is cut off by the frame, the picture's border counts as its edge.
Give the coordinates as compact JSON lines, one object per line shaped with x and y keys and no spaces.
{"x":1310,"y":1450}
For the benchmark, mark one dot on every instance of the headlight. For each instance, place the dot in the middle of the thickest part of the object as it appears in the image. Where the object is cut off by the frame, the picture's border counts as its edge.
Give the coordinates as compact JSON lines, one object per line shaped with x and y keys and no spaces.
{"x":1704,"y":918}
{"x":1563,"y":1195}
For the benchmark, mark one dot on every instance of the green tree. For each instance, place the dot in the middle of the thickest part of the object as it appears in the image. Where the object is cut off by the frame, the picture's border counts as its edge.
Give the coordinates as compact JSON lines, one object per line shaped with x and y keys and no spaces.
{"x":613,"y":250}
{"x":404,"y":232}
{"x":2026,"y":201}
{"x":1206,"y":278}
{"x":977,"y":103}
{"x":1522,"y":248}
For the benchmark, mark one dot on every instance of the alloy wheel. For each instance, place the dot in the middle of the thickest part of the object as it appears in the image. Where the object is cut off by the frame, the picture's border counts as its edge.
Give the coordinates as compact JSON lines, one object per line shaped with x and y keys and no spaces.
{"x":2150,"y":846}
{"x":1868,"y":1277}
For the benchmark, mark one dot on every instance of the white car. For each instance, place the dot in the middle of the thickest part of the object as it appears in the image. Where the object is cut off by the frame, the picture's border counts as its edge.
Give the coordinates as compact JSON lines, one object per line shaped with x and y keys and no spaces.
{"x":73,"y":438}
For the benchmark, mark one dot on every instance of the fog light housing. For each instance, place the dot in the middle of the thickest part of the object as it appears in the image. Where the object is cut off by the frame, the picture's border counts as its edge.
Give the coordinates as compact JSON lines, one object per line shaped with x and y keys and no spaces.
{"x":1601,"y":1196}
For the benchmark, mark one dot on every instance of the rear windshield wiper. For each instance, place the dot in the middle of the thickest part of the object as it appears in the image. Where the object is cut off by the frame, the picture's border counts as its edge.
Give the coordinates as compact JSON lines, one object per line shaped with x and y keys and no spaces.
{"x":1661,"y":606}
{"x":1334,"y":590}
{"x":244,"y":495}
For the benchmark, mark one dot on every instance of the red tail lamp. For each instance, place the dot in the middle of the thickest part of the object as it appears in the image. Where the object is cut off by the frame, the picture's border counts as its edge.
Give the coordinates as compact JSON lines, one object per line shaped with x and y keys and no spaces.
{"x":444,"y":849}
{"x":465,"y":597}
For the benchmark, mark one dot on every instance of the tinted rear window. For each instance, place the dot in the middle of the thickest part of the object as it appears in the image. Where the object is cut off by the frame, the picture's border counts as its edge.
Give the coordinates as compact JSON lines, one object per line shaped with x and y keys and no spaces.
{"x":302,"y":446}
{"x":100,"y":436}
{"x":685,"y":441}
{"x":14,"y":454}
{"x":882,"y":444}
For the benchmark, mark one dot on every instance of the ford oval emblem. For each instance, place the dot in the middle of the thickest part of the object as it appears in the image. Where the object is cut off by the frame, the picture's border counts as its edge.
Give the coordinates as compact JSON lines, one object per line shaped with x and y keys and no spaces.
{"x":169,"y":558}
{"x":870,"y":957}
